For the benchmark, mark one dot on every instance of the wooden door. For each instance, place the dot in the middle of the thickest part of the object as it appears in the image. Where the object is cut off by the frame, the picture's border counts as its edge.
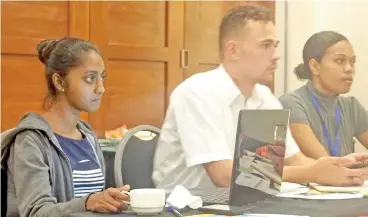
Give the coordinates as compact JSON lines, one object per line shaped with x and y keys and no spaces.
{"x":202,"y":21}
{"x":24,"y":25}
{"x":141,"y":43}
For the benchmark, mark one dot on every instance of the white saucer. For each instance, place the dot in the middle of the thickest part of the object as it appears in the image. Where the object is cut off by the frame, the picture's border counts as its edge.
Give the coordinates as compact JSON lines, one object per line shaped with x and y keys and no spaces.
{"x":147,"y":210}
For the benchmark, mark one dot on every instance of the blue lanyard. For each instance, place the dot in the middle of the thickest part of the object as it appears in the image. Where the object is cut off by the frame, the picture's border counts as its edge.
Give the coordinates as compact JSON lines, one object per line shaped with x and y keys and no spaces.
{"x":334,"y":149}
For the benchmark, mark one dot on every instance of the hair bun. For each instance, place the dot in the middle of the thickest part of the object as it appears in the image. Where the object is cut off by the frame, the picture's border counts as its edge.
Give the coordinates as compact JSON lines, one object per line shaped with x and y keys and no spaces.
{"x":44,"y":49}
{"x":302,"y":72}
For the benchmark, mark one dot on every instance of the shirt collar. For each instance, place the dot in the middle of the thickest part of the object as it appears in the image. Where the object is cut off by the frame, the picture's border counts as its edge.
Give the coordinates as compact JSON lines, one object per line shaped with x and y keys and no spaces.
{"x":231,"y":92}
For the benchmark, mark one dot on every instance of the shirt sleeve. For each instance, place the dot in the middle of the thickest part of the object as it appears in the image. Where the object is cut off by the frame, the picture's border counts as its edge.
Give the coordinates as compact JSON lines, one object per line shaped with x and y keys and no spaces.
{"x":360,"y":115}
{"x":271,"y":102}
{"x":298,"y":112}
{"x":200,"y":129}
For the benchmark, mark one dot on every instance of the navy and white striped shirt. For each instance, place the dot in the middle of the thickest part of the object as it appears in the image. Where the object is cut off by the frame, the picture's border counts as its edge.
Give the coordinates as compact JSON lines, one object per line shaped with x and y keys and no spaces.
{"x":87,"y":172}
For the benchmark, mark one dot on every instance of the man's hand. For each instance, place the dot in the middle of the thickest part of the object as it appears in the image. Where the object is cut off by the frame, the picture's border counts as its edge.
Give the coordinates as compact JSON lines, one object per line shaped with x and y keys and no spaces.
{"x":334,"y":171}
{"x":109,"y":201}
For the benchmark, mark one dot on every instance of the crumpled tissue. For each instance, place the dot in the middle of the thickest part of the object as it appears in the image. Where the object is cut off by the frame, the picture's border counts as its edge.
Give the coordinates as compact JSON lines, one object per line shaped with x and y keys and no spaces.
{"x":180,"y":197}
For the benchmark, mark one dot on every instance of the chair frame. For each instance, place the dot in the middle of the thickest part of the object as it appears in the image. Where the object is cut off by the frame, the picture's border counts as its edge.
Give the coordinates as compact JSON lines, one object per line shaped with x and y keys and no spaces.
{"x":118,"y":174}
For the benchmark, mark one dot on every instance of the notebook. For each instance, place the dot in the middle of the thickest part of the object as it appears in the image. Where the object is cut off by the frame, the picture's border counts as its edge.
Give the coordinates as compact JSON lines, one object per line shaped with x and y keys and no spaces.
{"x":324,"y":188}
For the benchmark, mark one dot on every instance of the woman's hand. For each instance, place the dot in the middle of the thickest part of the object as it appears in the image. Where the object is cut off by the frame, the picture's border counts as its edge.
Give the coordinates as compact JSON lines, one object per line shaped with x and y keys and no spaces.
{"x":109,"y":201}
{"x":334,"y":171}
{"x":360,"y":158}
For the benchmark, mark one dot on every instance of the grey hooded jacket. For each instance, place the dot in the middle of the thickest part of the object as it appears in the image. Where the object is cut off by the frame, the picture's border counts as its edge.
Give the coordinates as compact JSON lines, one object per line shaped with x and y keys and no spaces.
{"x":39,"y":174}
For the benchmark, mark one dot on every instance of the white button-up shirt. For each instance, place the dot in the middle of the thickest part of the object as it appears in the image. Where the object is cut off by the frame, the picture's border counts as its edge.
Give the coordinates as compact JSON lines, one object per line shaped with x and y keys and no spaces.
{"x":200,"y":127}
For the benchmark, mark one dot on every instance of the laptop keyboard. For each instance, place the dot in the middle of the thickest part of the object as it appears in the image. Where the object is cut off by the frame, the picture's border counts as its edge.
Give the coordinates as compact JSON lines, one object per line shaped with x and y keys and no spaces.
{"x":214,"y":195}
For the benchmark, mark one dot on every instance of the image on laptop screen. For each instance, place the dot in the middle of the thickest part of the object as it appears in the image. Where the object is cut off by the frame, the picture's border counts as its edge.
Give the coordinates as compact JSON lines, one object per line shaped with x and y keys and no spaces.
{"x":259,"y":155}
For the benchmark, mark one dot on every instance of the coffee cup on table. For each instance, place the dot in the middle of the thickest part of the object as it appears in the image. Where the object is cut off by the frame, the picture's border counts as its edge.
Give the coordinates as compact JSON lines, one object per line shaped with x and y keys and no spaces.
{"x":146,"y":201}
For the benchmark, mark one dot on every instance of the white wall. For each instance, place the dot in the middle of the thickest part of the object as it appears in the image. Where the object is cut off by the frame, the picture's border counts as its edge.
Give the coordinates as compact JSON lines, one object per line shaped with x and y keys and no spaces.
{"x":280,"y":21}
{"x":297,"y":20}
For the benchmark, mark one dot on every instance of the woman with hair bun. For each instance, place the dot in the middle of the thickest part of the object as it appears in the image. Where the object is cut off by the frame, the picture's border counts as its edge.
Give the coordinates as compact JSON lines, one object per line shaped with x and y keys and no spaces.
{"x":323,"y":122}
{"x":53,"y":161}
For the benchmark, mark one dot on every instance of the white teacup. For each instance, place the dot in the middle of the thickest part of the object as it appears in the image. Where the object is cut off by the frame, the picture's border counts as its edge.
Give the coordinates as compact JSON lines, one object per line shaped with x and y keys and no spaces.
{"x":146,"y":200}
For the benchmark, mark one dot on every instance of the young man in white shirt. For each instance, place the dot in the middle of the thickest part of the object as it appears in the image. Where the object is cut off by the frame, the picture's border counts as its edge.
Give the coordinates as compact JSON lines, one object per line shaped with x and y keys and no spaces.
{"x":197,"y":140}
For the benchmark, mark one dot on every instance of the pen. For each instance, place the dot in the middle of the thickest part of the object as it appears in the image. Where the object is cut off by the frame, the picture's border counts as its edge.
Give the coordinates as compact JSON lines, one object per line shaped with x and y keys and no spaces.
{"x":175,"y":211}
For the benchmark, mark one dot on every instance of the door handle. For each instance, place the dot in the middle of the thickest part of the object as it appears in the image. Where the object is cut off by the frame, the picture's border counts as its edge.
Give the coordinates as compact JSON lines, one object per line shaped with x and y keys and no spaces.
{"x":184,"y":54}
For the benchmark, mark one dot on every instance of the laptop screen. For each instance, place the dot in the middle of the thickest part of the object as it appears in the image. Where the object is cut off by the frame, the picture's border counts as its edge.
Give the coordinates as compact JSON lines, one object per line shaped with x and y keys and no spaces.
{"x":259,"y":155}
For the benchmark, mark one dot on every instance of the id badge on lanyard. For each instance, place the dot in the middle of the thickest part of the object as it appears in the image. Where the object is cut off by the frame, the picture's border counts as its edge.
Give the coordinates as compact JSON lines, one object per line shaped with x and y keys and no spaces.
{"x":334,"y":148}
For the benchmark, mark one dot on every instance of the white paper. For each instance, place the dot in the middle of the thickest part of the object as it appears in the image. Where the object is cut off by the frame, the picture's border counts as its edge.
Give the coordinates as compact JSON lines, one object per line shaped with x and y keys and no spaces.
{"x":271,"y":215}
{"x":180,"y":197}
{"x":292,"y":190}
{"x":328,"y":196}
{"x":290,"y":187}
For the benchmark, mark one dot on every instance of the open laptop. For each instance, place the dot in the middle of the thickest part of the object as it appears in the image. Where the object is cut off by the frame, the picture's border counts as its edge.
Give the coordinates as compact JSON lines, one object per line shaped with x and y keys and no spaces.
{"x":258,"y":159}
